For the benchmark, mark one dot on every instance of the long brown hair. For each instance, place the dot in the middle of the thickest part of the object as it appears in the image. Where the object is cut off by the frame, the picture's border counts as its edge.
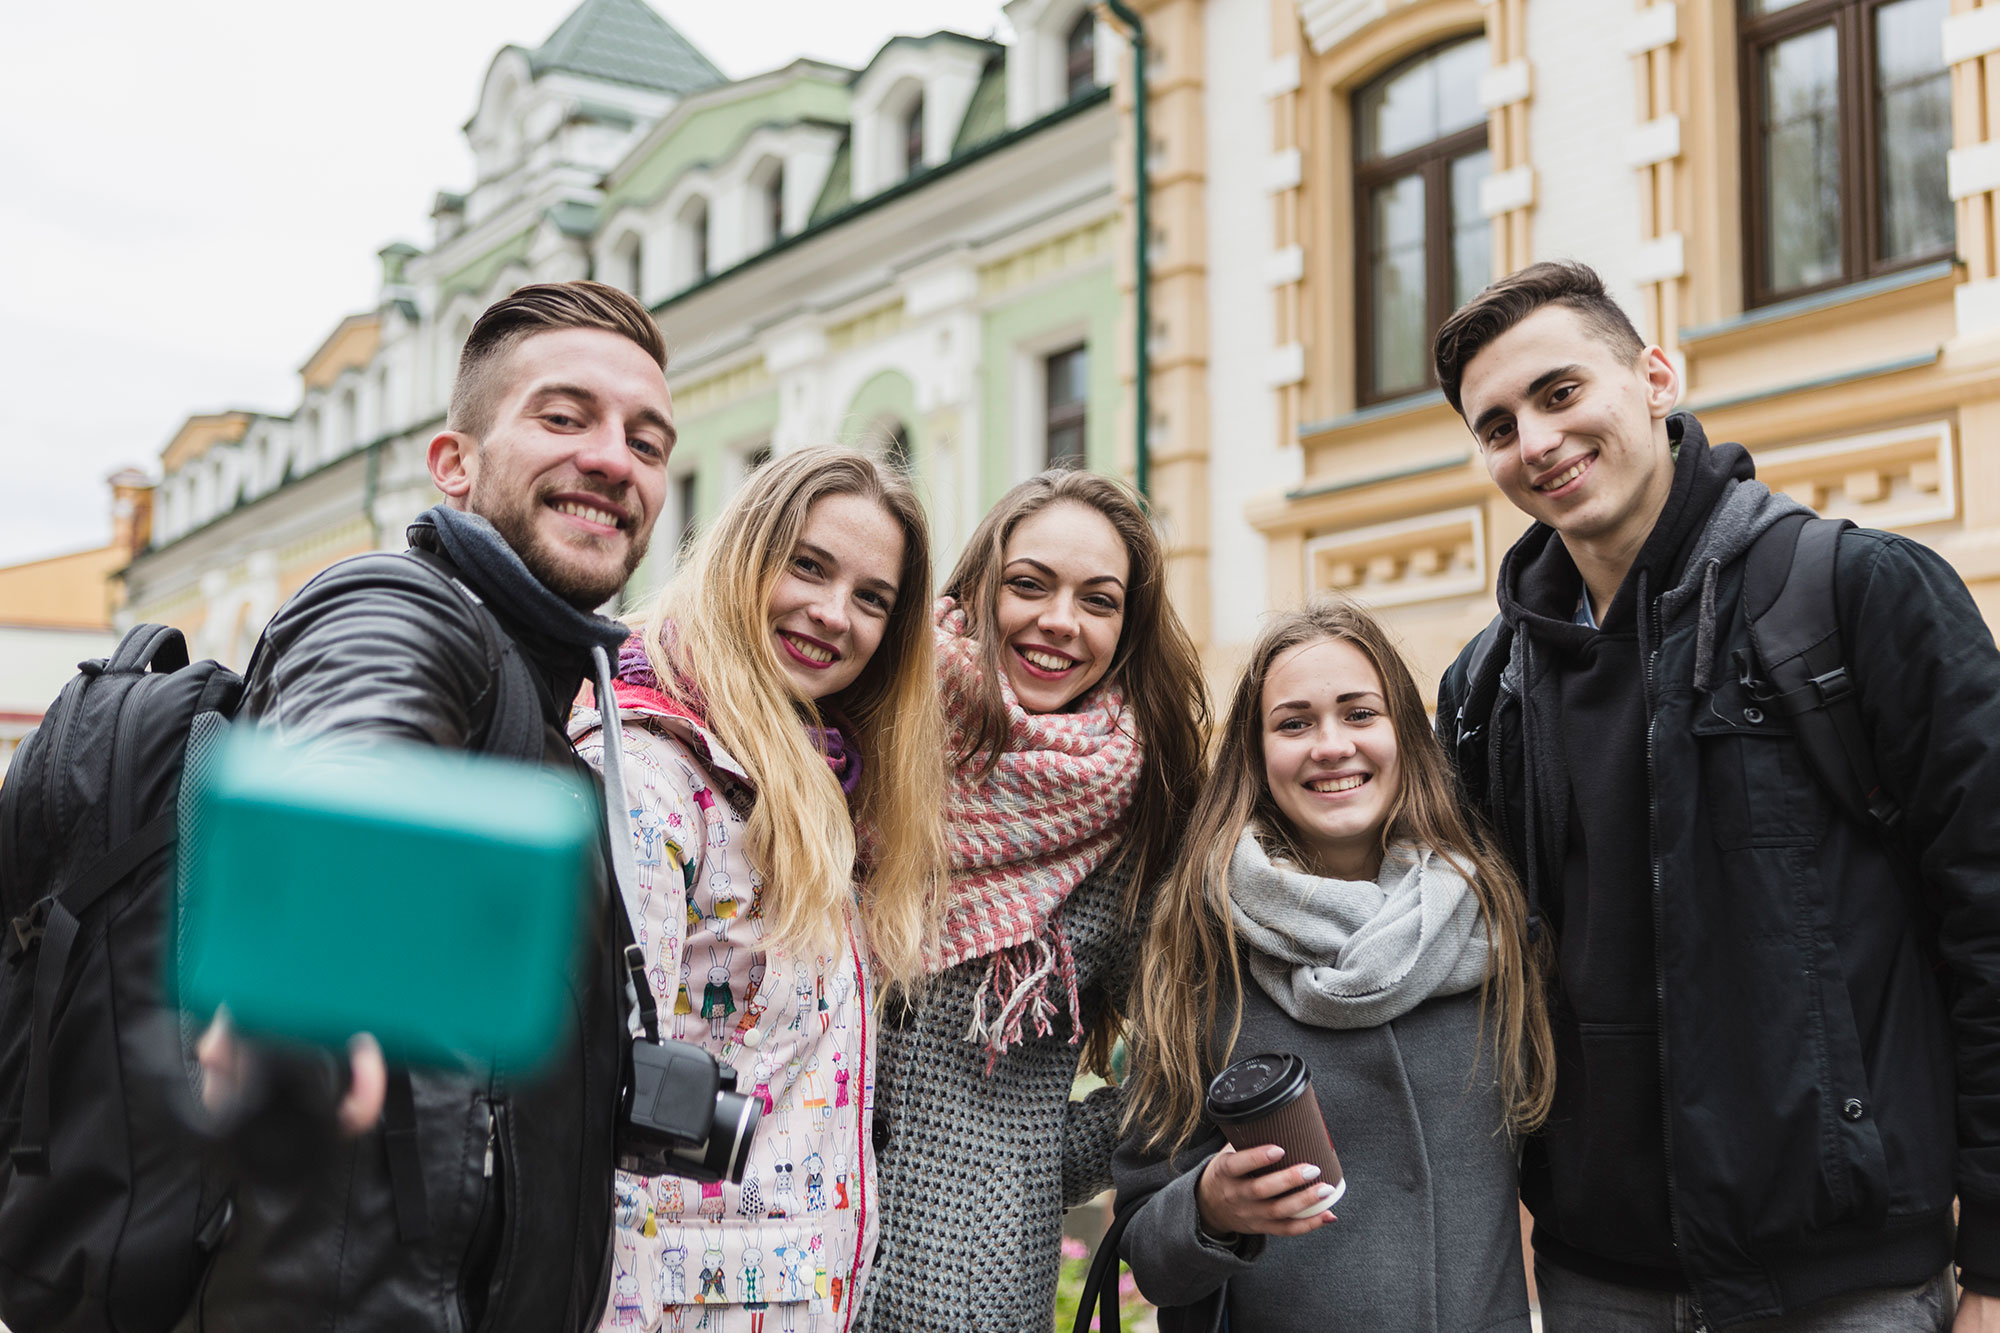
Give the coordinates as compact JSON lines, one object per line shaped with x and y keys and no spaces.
{"x":1190,"y":971}
{"x":800,"y":834}
{"x":1155,"y":664}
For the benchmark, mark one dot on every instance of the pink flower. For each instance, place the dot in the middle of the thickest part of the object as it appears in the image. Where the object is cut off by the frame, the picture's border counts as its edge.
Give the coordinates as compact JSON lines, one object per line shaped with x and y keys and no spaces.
{"x":1072,"y":1248}
{"x":1127,"y":1286}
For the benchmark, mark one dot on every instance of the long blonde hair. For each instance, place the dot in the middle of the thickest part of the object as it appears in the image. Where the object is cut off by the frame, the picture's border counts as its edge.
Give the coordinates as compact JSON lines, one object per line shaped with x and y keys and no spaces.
{"x":708,"y":637}
{"x":1190,"y":971}
{"x":1155,"y":664}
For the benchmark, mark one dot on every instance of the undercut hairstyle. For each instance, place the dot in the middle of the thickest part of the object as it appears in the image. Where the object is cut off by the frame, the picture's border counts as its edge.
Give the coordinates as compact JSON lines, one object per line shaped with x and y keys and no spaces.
{"x":1188,"y":993}
{"x":1474,"y":325}
{"x":1155,"y":664}
{"x":708,"y":638}
{"x":541,"y":308}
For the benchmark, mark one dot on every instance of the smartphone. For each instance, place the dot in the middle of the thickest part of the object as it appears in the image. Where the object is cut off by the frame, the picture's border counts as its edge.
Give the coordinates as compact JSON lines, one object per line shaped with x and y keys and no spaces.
{"x":434,"y":898}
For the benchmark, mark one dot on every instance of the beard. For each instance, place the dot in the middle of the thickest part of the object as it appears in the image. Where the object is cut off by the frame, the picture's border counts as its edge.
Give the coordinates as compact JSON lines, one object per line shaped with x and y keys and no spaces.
{"x":564,"y":568}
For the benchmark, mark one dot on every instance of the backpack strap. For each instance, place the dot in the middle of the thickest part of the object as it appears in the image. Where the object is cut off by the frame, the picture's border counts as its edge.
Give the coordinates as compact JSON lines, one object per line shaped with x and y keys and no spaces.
{"x":513,"y":729}
{"x":160,"y":647}
{"x":1789,"y":603}
{"x":1475,"y":710}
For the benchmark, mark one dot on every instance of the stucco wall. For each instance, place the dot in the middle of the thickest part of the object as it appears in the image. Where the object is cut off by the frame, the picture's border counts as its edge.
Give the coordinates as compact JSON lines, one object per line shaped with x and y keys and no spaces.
{"x":1247,"y":455}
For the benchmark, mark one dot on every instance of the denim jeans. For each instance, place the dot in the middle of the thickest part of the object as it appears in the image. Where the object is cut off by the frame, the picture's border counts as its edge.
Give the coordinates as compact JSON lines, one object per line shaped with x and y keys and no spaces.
{"x":1573,"y":1303}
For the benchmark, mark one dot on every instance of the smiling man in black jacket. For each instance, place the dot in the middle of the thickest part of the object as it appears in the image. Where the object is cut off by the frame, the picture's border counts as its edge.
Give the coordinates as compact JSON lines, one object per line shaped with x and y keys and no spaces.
{"x":1777,"y":1030}
{"x":481,"y":1201}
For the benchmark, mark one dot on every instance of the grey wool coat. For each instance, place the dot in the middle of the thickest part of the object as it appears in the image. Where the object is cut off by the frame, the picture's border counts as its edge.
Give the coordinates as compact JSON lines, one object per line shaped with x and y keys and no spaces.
{"x":1428,"y":1238}
{"x":974,"y":1170}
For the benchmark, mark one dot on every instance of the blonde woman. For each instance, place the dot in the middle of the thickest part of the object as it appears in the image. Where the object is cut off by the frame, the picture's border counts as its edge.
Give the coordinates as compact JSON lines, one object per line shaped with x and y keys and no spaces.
{"x":1385,"y":945}
{"x":1075,"y":704}
{"x":780,"y":693}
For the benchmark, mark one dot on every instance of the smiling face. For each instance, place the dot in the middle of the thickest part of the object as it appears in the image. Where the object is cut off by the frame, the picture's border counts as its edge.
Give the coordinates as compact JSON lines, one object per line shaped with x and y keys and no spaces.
{"x":832,"y":603}
{"x":1061,"y":604}
{"x":572,"y":471}
{"x":1573,"y":433}
{"x":1330,"y":755}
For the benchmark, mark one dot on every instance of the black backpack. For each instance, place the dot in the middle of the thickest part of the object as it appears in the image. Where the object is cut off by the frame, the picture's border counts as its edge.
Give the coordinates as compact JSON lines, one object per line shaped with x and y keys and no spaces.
{"x":1790,"y":606}
{"x":103,"y":1214}
{"x":106,"y":1213}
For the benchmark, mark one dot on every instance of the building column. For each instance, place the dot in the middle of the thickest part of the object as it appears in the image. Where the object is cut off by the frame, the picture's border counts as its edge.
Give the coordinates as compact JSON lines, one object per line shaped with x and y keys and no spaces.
{"x":1653,"y":150}
{"x":1178,"y":339}
{"x":1972,"y":49}
{"x":1507,"y":197}
{"x":1290,"y":217}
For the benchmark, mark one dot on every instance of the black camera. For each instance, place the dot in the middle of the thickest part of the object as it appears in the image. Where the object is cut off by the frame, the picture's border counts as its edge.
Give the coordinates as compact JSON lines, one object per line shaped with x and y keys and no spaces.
{"x":682,"y":1116}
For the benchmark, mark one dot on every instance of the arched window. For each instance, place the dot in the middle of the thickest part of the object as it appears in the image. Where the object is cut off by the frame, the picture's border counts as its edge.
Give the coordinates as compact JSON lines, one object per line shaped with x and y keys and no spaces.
{"x":694,"y":228}
{"x":774,"y":206}
{"x":913,"y":137}
{"x":1422,"y":246}
{"x":628,"y":265}
{"x":349,"y":433}
{"x":1081,"y":46}
{"x":896,"y":447}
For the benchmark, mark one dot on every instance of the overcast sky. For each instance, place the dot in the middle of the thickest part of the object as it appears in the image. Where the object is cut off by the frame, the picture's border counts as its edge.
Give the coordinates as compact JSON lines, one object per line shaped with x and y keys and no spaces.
{"x":192,"y":195}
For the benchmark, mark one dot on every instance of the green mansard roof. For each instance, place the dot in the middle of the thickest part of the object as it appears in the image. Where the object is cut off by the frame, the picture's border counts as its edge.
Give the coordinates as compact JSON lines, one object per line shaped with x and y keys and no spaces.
{"x":625,"y":41}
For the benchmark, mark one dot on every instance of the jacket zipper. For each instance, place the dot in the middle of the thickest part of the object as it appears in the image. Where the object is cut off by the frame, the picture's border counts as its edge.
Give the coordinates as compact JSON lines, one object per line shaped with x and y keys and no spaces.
{"x":1659,"y":964}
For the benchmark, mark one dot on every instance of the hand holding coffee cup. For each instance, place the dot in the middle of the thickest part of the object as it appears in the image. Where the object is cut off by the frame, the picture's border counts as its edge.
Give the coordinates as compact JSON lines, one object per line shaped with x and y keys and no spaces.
{"x":1240,"y":1193}
{"x":1280,"y":1175}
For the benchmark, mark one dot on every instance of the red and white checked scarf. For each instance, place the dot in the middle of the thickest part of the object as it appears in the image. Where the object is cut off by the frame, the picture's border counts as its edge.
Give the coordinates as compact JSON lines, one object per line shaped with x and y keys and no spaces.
{"x":1022,"y":837}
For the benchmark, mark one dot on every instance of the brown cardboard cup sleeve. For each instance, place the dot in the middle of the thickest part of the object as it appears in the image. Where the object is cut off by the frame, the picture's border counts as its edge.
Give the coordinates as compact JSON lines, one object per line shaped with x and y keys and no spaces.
{"x":1267,"y":1099}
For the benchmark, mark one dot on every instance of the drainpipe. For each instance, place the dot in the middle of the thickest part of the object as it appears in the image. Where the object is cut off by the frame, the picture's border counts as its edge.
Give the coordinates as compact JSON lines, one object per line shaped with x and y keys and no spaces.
{"x":1141,"y":246}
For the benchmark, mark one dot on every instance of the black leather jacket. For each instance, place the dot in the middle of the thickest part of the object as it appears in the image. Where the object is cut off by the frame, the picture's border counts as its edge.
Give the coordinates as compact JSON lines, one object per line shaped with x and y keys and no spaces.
{"x":1823,"y":1099}
{"x":381,"y":647}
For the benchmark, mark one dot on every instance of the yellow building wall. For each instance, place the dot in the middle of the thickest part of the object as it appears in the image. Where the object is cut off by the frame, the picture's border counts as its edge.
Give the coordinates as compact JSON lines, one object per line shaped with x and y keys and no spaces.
{"x":64,"y":591}
{"x":1871,"y":402}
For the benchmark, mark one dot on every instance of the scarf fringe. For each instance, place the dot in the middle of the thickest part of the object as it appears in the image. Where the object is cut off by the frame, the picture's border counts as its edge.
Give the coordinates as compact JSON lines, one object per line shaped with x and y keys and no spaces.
{"x":1017,"y":985}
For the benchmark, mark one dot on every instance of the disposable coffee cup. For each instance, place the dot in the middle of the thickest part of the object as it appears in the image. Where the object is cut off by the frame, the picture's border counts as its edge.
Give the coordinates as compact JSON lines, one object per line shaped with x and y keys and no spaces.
{"x":1267,"y":1099}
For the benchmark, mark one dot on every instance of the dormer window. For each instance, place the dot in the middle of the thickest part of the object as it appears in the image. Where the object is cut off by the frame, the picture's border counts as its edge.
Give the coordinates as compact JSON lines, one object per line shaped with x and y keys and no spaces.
{"x":628,"y":264}
{"x":774,"y":204}
{"x":694,"y":226}
{"x":1082,"y":53}
{"x":913,"y":137}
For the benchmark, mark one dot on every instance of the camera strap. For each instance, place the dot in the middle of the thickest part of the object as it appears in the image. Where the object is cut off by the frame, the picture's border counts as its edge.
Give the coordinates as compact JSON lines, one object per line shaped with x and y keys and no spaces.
{"x":624,"y":865}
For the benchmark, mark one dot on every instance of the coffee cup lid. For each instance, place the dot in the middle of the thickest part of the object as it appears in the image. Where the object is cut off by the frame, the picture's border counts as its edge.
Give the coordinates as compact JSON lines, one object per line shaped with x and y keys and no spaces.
{"x":1255,"y":1086}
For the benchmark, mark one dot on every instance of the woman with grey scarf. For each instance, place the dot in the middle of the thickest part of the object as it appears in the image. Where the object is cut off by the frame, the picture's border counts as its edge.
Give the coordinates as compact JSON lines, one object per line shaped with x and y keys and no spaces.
{"x":1387,"y":946}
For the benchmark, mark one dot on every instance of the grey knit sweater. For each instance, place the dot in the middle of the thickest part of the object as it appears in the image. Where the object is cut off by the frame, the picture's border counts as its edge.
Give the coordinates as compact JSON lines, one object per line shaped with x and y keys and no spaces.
{"x":975,"y":1170}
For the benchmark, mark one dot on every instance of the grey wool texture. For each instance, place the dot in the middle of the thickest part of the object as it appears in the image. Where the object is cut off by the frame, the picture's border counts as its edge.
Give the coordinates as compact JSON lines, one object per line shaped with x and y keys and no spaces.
{"x":977,"y":1169}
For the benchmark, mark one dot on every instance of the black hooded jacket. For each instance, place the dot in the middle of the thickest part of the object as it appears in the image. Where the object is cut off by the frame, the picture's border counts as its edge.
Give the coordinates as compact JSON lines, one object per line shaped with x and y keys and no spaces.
{"x":517,"y":1171}
{"x":1762,"y":1092}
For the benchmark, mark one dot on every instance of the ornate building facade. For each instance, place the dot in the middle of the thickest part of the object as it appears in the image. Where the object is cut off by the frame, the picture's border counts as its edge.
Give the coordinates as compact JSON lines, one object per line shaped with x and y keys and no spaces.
{"x":1796,"y":198}
{"x":916,"y":256}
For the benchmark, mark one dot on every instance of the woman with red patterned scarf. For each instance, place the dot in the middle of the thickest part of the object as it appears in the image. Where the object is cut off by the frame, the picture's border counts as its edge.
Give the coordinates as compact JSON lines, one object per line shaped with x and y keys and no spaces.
{"x":1075,"y":707}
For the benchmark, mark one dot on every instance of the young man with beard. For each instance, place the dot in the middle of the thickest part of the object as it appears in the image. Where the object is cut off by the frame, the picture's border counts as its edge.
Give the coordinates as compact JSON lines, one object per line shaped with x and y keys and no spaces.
{"x":1777,"y":1029}
{"x":472,"y":1201}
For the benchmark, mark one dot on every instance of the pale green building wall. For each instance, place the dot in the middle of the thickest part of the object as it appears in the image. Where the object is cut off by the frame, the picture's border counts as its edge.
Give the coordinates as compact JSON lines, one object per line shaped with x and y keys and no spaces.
{"x":707,"y":445}
{"x":1090,"y":298}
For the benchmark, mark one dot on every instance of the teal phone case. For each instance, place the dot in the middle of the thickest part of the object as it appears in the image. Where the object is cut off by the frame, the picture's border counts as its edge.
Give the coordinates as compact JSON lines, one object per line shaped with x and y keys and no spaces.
{"x":430,"y":897}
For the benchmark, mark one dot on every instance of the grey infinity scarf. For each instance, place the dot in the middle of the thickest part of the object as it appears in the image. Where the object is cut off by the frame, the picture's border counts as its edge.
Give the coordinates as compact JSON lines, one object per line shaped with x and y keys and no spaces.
{"x":1339,"y":953}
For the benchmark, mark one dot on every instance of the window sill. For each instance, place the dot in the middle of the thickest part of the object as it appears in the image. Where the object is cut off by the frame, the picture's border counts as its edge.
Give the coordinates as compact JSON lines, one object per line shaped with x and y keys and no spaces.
{"x":1943,"y":271}
{"x":1373,"y":414}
